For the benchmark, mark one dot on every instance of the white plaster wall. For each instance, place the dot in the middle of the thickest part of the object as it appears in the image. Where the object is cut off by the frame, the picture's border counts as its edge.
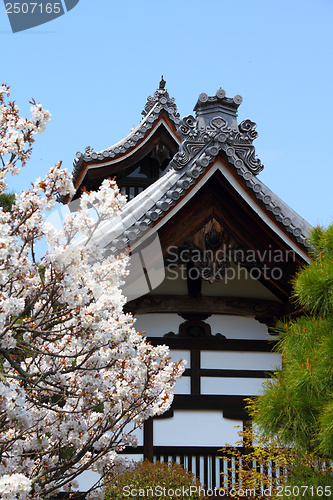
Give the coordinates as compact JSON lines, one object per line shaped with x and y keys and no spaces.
{"x":183,"y":386}
{"x":240,"y":360}
{"x":238,"y":327}
{"x":174,"y":283}
{"x":238,"y":282}
{"x":87,"y":479}
{"x":177,"y":354}
{"x":138,"y":433}
{"x":196,"y":428}
{"x":230,"y":386}
{"x":157,"y":325}
{"x":135,"y":457}
{"x":233,"y":327}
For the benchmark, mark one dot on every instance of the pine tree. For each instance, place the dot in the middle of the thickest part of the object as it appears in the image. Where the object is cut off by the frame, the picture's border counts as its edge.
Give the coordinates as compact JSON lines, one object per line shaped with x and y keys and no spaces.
{"x":297,"y":403}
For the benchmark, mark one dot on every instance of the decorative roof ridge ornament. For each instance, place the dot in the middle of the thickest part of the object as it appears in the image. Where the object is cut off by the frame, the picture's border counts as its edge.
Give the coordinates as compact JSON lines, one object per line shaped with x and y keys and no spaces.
{"x":215,"y":128}
{"x":162,"y":83}
{"x":154,"y":106}
{"x":161,"y":100}
{"x":220,"y":97}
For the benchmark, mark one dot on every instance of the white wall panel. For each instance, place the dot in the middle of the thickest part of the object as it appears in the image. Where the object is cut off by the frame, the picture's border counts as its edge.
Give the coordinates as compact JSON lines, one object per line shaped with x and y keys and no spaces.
{"x":175,"y":281}
{"x":177,"y":354}
{"x":156,"y":325}
{"x":238,"y":283}
{"x":240,"y":360}
{"x":238,"y":327}
{"x":231,"y":386}
{"x":138,"y":433}
{"x":196,"y":428}
{"x":87,"y":479}
{"x":183,"y":386}
{"x":135,"y":457}
{"x":233,"y":327}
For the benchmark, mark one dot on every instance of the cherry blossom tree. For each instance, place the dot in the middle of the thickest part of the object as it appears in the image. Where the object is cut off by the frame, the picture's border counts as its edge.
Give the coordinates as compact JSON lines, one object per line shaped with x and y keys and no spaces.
{"x":75,"y":377}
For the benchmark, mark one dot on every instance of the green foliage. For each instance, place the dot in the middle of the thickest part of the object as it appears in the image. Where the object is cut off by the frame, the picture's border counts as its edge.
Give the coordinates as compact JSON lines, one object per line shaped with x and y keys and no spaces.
{"x":153,"y":480}
{"x":297,"y":403}
{"x":7,"y":201}
{"x":313,"y":286}
{"x":308,"y":478}
{"x":258,"y":465}
{"x":296,"y":398}
{"x":325,"y":432}
{"x":263,"y":467}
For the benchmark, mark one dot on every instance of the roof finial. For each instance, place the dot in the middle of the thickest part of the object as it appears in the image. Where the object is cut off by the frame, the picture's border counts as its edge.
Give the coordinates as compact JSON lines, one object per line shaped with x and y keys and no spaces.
{"x":162,"y":83}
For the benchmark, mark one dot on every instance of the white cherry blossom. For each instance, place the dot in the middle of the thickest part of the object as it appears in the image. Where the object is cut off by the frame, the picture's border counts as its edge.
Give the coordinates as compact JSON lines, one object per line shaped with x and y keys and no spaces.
{"x":73,"y":370}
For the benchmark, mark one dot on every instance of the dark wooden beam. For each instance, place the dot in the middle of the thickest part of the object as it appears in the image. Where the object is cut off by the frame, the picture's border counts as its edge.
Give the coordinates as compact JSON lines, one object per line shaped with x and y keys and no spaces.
{"x":184,"y":304}
{"x":236,"y":415}
{"x":209,"y":402}
{"x":220,"y":373}
{"x":177,"y":450}
{"x":214,"y":344}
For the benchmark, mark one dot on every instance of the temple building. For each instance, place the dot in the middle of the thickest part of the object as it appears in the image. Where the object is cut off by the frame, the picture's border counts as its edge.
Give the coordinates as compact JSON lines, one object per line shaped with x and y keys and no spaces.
{"x":213,"y":253}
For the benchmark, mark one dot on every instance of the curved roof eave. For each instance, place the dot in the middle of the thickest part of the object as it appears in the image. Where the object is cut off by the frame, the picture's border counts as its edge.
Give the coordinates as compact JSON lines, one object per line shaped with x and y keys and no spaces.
{"x":156,"y":108}
{"x":86,"y":167}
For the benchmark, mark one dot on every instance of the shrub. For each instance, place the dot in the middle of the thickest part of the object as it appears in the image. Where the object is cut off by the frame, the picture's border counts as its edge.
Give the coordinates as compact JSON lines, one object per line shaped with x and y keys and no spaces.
{"x":154,"y":480}
{"x":256,"y":467}
{"x":273,"y":470}
{"x":309,"y":478}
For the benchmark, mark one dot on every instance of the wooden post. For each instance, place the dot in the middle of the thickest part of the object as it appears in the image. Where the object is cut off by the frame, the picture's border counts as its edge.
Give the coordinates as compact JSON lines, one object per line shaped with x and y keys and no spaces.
{"x":148,"y":440}
{"x":195,"y":371}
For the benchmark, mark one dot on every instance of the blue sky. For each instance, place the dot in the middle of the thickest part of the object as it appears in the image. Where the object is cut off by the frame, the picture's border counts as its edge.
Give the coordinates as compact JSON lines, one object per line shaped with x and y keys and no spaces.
{"x":94,"y":68}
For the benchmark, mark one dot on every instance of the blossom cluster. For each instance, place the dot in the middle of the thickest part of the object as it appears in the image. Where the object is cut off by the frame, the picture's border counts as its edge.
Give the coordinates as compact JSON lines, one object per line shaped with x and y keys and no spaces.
{"x":17,"y":133}
{"x":76,"y":378}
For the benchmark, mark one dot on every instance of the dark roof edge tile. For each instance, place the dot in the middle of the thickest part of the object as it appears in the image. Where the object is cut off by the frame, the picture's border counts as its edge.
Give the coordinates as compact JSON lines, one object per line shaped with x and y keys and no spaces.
{"x":156,"y":104}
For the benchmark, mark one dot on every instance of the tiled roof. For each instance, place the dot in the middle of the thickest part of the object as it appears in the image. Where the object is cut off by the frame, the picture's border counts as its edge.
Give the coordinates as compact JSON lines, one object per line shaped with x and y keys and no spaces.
{"x":156,"y":104}
{"x":214,"y":131}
